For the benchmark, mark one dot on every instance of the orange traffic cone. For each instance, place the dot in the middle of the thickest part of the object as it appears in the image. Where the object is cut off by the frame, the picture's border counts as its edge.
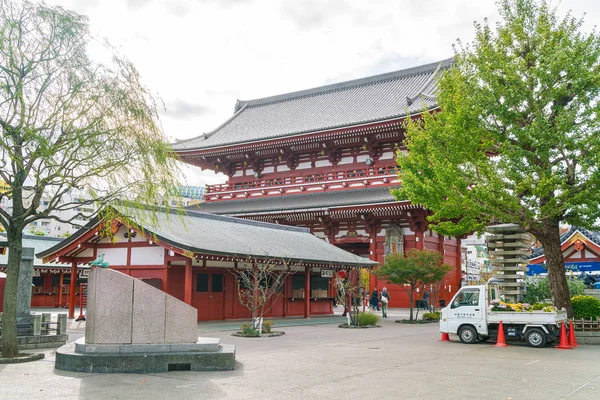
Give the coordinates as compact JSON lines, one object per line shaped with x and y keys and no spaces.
{"x":500,"y":342}
{"x":563,"y":344}
{"x":572,"y":340}
{"x":445,"y":337}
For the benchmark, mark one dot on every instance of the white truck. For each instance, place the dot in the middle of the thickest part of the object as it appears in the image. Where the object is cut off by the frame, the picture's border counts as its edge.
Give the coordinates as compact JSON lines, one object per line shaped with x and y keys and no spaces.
{"x":470,"y":317}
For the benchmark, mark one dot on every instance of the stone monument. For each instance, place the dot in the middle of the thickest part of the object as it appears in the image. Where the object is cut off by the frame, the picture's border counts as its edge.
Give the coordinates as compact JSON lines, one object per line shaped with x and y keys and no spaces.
{"x":24,"y":288}
{"x":134,"y":327}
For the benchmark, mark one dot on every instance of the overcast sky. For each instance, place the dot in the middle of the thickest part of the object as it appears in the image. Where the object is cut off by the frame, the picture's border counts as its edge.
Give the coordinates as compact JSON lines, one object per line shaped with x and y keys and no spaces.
{"x":200,"y":56}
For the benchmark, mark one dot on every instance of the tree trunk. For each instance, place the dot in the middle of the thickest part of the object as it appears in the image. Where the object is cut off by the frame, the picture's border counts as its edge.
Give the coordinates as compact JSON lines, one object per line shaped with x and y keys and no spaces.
{"x":10,"y":345}
{"x":557,"y":279}
{"x":410,"y":300}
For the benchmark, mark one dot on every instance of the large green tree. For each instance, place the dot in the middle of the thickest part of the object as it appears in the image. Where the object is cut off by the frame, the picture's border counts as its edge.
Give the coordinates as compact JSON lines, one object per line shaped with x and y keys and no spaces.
{"x":517,"y":139}
{"x":69,"y":125}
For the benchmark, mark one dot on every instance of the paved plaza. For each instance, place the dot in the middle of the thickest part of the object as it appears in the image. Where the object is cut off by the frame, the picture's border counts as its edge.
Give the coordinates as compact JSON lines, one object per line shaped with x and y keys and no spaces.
{"x":321,"y":361}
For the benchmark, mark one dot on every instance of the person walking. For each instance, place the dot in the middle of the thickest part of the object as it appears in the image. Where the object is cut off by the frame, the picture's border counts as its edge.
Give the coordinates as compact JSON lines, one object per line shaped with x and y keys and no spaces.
{"x":374,"y":303}
{"x":426,"y":300}
{"x":385,"y":299}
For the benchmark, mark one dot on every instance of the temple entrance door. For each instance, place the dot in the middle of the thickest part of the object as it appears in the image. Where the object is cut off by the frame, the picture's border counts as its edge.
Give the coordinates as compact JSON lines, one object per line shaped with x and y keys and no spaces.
{"x":208,"y":296}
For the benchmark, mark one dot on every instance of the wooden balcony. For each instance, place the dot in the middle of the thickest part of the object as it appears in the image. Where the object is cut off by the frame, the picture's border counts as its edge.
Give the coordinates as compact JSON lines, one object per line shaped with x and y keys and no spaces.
{"x":381,"y":175}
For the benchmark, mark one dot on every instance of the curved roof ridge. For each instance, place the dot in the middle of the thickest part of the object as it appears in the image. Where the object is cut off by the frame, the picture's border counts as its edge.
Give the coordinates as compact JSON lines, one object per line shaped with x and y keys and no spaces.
{"x":346,"y":85}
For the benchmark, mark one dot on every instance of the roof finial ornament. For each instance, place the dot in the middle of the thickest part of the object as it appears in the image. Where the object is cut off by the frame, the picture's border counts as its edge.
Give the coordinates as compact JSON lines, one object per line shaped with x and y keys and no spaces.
{"x":99,"y":262}
{"x":409,"y":101}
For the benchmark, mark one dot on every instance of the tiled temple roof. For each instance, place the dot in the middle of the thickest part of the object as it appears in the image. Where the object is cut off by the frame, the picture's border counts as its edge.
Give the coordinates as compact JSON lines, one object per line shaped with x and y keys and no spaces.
{"x":361,"y":101}
{"x":203,"y":233}
{"x":593,"y":236}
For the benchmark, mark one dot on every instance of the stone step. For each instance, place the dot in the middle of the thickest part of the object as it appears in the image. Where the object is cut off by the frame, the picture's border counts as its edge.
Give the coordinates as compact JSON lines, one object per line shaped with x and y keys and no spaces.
{"x":203,"y":344}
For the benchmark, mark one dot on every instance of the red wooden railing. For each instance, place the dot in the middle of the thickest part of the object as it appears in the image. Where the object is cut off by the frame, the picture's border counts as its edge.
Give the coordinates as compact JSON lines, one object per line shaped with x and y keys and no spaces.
{"x":308,"y":179}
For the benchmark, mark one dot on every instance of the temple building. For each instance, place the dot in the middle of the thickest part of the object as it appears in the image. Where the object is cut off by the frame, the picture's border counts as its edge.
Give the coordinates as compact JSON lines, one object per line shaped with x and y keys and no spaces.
{"x":581,"y":252}
{"x":196,"y":258}
{"x":324,"y":159}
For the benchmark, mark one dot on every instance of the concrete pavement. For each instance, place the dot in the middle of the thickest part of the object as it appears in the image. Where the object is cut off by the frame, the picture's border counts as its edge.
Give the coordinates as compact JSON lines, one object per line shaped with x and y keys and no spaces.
{"x":396,"y":361}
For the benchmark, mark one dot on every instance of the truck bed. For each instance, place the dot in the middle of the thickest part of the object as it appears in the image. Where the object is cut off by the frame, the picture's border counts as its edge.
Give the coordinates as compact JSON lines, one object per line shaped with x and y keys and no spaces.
{"x":533,"y":318}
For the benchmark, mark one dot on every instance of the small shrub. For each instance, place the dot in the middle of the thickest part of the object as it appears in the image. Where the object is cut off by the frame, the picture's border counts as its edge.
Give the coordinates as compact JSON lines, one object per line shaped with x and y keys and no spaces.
{"x":247,"y":330}
{"x":367,"y":318}
{"x":431,"y":316}
{"x":585,"y":306}
{"x":266,"y":326}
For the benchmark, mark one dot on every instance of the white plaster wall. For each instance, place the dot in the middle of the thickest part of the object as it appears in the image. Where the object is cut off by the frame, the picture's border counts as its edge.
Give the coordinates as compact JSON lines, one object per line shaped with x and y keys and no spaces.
{"x":267,"y":170}
{"x":322,"y":163}
{"x":387,"y":155}
{"x":304,"y":165}
{"x":282,"y":168}
{"x":114,"y":256}
{"x":589,"y":254}
{"x":346,"y":160}
{"x":147,"y":255}
{"x":86,"y":253}
{"x":407,"y":231}
{"x":238,"y":173}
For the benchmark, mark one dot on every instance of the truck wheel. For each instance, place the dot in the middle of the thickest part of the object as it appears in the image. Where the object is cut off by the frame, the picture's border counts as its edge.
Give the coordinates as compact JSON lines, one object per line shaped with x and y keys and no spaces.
{"x":467,"y":334}
{"x":484,"y":338}
{"x":535,"y":337}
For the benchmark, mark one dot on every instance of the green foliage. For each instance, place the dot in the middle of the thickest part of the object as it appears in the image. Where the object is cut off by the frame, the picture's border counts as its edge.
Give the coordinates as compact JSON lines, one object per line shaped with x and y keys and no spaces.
{"x":70,"y":123}
{"x":247,"y":330}
{"x":267,"y":326}
{"x":585,"y":306}
{"x":518,"y":136}
{"x":538,"y":288}
{"x":431,"y":316}
{"x":525,"y":92}
{"x":36,"y":232}
{"x":417,"y":269}
{"x":367,"y":318}
{"x":540,"y":306}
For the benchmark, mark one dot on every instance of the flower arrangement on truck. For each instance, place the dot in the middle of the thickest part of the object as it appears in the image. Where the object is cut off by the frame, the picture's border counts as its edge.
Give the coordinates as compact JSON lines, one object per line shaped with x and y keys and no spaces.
{"x":476,"y":311}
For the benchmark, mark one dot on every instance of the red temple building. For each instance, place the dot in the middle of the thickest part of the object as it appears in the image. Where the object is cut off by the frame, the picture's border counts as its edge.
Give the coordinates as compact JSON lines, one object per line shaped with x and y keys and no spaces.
{"x":324,"y":159}
{"x":581,"y":252}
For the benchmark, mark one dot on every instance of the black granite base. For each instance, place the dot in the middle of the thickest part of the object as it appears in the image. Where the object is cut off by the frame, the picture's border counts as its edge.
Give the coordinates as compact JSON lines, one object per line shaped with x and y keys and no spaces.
{"x":222,"y":360}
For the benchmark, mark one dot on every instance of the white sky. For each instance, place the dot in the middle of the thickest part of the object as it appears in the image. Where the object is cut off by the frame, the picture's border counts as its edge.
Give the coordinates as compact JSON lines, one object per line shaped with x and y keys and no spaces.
{"x":200,"y":56}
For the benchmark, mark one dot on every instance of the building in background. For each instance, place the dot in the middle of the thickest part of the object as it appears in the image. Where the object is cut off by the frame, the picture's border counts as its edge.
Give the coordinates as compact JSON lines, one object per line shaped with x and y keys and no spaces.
{"x":476,"y":260}
{"x":324,"y":159}
{"x":66,"y":222}
{"x":581,"y":252}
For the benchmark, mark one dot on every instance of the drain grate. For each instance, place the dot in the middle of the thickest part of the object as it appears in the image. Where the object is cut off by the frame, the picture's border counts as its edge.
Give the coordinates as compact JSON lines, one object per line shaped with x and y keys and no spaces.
{"x":180,"y":367}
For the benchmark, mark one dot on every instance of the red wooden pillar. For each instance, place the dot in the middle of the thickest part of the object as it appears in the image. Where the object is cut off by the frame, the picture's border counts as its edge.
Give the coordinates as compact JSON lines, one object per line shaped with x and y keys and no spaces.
{"x":73,"y":289}
{"x":306,"y":292}
{"x":419,"y":237}
{"x":373,"y":257}
{"x":187,"y":296}
{"x":61,"y":281}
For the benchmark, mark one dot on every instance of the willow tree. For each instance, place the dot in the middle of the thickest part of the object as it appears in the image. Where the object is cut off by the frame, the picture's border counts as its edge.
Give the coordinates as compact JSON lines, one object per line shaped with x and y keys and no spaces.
{"x":70,"y":125}
{"x":517,"y":137}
